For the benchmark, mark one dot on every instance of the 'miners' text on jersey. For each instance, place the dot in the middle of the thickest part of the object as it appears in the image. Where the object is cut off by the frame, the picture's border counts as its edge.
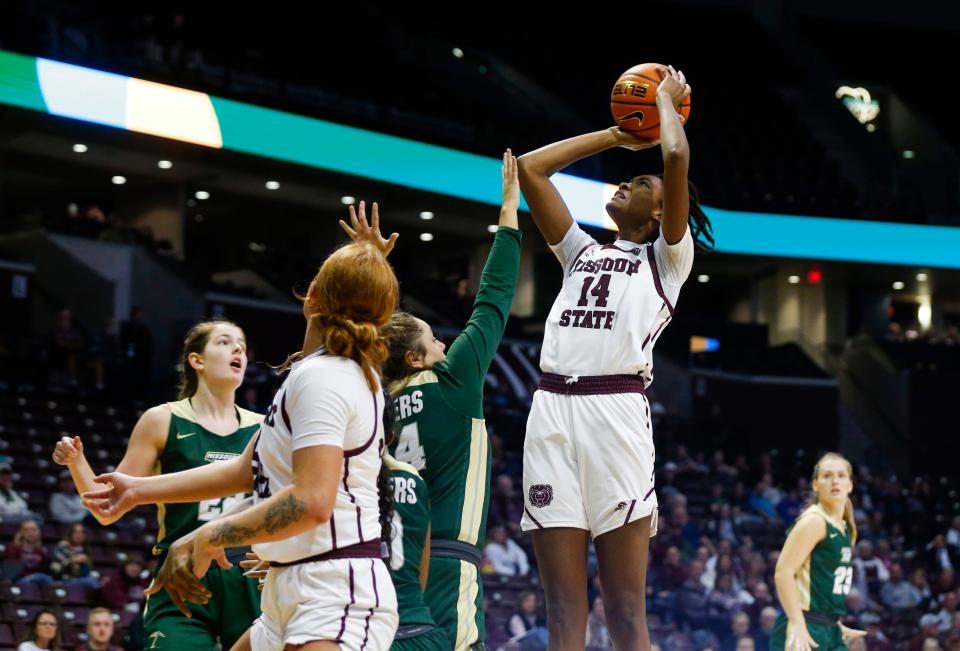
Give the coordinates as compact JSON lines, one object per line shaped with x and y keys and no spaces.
{"x":615,"y":302}
{"x":324,"y":400}
{"x":190,"y":445}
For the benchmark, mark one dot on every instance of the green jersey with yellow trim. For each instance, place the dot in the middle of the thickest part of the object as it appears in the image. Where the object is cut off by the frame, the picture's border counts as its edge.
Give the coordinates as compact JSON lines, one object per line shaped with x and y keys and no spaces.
{"x":190,"y":445}
{"x":411,"y":521}
{"x":824,"y":578}
{"x":443,"y":433}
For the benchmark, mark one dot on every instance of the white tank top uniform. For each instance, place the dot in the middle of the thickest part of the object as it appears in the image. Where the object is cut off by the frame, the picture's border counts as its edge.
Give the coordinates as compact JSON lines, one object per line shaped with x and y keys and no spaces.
{"x":588,"y":454}
{"x":327,"y":583}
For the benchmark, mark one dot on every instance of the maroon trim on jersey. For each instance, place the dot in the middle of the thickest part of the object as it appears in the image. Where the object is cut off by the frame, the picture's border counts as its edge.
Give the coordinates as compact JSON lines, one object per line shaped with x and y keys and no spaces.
{"x":635,"y":250}
{"x":649,"y":492}
{"x":333,"y":530}
{"x":283,"y":412}
{"x":369,"y":549}
{"x":376,"y":593}
{"x":651,"y":256}
{"x":591,"y":385}
{"x":530,"y":515}
{"x":662,"y":326}
{"x":353,"y":500}
{"x":376,"y":423}
{"x":346,"y":609}
{"x":633,"y":503}
{"x":577,"y":257}
{"x":366,"y":630}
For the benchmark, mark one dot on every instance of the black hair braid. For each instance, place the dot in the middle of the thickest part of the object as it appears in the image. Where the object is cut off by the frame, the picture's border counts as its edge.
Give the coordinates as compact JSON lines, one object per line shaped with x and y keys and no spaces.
{"x":385,"y":480}
{"x":700,"y":227}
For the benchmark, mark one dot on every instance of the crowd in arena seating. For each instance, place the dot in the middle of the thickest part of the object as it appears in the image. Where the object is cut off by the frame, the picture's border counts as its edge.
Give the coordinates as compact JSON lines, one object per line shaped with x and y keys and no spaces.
{"x":721,"y":523}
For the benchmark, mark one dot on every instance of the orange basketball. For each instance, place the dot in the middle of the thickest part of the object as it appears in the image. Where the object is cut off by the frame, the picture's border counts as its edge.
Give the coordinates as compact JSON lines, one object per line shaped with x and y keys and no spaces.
{"x":633,"y":101}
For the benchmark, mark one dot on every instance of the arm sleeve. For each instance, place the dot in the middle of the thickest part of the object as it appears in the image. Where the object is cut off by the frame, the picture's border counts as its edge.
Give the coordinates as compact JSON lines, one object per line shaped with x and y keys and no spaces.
{"x":465,"y":367}
{"x":674,"y":261}
{"x":320,"y":405}
{"x":574,"y":242}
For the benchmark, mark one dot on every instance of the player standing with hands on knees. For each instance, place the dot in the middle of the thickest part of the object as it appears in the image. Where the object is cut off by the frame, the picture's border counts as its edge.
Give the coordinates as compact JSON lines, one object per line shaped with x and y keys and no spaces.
{"x":315,"y":468}
{"x":588,"y":460}
{"x":815,"y":567}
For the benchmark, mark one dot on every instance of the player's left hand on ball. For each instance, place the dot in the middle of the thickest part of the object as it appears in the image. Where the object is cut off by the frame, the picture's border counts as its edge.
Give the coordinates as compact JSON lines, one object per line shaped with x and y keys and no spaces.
{"x":361,"y":231}
{"x":673,"y":84}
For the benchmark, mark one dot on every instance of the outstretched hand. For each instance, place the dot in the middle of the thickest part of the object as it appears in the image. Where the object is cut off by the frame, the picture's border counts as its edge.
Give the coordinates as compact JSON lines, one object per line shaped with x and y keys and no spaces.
{"x":118,"y":498}
{"x":361,"y":231}
{"x":67,"y":450}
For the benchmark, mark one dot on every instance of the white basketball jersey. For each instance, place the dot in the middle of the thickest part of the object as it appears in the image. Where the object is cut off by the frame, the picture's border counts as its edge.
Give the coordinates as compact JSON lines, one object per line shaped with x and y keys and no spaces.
{"x":324,"y":400}
{"x":615,"y":302}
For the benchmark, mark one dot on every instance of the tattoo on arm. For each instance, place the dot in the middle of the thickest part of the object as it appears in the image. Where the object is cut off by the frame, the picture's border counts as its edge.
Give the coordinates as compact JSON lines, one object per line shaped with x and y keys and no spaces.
{"x":284,"y":513}
{"x":227,"y":534}
{"x":280,"y":515}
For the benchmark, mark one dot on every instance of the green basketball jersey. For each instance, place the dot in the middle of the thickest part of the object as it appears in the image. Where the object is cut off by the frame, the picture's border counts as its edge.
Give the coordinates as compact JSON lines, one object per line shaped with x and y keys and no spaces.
{"x":411,"y":521}
{"x":190,"y":445}
{"x":824,"y":579}
{"x":443,"y":434}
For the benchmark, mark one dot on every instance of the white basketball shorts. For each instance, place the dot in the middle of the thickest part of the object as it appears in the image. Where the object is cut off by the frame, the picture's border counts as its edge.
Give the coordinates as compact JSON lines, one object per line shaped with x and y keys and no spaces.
{"x":350,"y":601}
{"x":588,"y":462}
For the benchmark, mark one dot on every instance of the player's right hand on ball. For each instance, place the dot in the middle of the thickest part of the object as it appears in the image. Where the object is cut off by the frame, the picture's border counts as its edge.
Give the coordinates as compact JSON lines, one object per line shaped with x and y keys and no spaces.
{"x":119,"y":496}
{"x":67,"y":450}
{"x":630,"y":141}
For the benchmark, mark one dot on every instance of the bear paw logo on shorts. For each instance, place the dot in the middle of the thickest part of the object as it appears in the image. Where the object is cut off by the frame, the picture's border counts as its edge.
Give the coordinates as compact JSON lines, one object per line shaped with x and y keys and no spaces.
{"x":541,"y":495}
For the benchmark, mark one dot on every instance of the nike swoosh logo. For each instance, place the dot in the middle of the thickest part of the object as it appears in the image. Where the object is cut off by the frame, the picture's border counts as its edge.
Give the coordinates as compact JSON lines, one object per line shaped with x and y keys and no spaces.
{"x":834,"y":535}
{"x":636,"y":114}
{"x":183,"y":436}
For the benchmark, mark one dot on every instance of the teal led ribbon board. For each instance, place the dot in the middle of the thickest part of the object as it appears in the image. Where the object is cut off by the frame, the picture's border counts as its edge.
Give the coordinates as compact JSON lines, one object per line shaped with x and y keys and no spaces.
{"x":132,"y":104}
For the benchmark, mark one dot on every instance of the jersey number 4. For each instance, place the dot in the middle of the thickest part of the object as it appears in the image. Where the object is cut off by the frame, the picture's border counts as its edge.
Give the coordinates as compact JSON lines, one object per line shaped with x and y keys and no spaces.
{"x":601,"y":291}
{"x":842,"y":578}
{"x":409,"y":449}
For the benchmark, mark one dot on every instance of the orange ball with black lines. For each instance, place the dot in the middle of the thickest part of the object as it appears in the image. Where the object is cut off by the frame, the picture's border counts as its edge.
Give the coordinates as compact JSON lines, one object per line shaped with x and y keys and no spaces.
{"x":633,"y":101}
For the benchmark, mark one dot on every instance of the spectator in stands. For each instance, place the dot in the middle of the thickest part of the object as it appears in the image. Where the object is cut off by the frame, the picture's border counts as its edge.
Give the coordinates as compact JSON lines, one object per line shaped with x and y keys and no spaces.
{"x":789,"y":507}
{"x":762,"y":599}
{"x":946,"y":581}
{"x":945,"y":617}
{"x":598,"y":636}
{"x":953,"y":534}
{"x":44,"y":633}
{"x":506,"y":557}
{"x":66,"y":342}
{"x":126,"y":585}
{"x":526,"y":618}
{"x":929,"y":627}
{"x":71,"y":562}
{"x":940,"y":556}
{"x":66,"y":505}
{"x":724,"y":526}
{"x":765,"y":624}
{"x":898,"y":593}
{"x":869,"y":571}
{"x":875,"y":639}
{"x":919,"y":581}
{"x":671,"y":573}
{"x":718,"y":565}
{"x":951,"y":639}
{"x":13,"y":508}
{"x":99,"y":632}
{"x":931,"y":644}
{"x":738,"y":627}
{"x":760,"y":503}
{"x":28,"y":561}
{"x":692,"y":598}
{"x":745,"y":643}
{"x":506,"y":505}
